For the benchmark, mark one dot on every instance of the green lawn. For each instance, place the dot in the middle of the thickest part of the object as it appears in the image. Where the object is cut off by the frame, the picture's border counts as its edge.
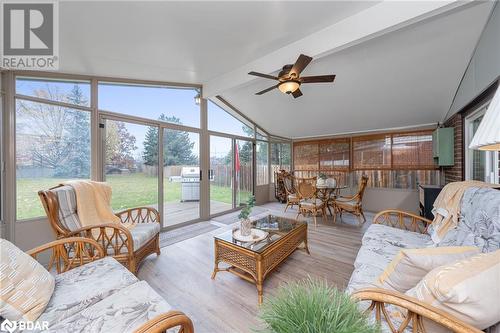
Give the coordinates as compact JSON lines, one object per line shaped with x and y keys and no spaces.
{"x":128,"y":191}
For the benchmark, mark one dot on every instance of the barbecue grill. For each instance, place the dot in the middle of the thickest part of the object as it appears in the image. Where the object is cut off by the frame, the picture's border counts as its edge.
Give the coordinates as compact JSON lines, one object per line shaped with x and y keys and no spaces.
{"x":190,"y":180}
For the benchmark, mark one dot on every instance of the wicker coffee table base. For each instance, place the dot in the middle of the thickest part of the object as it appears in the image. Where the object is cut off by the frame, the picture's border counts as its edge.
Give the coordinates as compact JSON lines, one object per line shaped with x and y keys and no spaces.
{"x":253,"y":266}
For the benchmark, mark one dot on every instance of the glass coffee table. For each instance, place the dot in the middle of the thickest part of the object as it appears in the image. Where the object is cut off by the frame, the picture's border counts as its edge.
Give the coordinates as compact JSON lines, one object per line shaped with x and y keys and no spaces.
{"x":253,"y":261}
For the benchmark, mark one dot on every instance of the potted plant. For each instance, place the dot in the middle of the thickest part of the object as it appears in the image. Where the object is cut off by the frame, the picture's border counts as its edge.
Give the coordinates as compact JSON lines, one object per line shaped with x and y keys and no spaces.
{"x":312,"y":306}
{"x":321,"y":179}
{"x":245,"y":223}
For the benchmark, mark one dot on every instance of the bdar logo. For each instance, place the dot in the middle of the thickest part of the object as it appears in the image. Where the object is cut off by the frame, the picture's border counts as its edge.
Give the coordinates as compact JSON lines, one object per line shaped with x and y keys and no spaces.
{"x":8,"y":326}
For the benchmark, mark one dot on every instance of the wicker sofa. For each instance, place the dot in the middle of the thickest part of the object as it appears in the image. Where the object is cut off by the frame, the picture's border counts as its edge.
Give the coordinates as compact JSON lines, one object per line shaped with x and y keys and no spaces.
{"x":393,"y":230}
{"x":95,"y":293}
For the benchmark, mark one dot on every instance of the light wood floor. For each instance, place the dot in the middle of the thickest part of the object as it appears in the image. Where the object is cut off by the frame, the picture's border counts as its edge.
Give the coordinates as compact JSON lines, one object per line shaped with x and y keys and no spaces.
{"x":181,"y":274}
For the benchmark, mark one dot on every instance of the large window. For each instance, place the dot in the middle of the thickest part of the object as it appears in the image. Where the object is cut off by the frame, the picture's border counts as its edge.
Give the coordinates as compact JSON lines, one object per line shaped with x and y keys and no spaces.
{"x":281,"y":156}
{"x":131,"y":164}
{"x":181,"y":176}
{"x":221,"y":174}
{"x":371,"y":152}
{"x":393,"y":160}
{"x":219,"y":120}
{"x":173,"y":105}
{"x":479,"y":164}
{"x":52,"y":140}
{"x":262,"y":153}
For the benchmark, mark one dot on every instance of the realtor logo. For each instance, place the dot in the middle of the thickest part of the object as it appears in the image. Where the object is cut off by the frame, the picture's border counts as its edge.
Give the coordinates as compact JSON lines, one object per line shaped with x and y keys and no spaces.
{"x":30,"y":35}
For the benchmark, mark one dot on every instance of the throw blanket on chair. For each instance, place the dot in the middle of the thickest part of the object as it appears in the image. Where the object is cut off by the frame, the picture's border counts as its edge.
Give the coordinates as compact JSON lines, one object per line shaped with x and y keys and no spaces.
{"x":447,"y":207}
{"x":93,"y":202}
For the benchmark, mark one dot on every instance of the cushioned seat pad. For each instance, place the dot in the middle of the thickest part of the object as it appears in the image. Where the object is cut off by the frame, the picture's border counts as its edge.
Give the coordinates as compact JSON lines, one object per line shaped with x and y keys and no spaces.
{"x":124,"y":311}
{"x":143,"y":232}
{"x":382,"y":234}
{"x":83,"y":286}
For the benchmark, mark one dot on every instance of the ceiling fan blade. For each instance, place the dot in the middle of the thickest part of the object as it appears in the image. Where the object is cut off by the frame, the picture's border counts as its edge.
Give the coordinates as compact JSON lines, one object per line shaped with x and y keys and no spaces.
{"x":297,"y":93}
{"x":317,"y":78}
{"x":266,"y":76}
{"x":300,"y":64}
{"x":266,"y":90}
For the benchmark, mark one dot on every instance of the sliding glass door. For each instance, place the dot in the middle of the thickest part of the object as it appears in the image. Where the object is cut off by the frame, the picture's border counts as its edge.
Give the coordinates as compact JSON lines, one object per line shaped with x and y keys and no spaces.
{"x":221,"y":174}
{"x":181,"y":176}
{"x":243,"y":165}
{"x":131,"y":163}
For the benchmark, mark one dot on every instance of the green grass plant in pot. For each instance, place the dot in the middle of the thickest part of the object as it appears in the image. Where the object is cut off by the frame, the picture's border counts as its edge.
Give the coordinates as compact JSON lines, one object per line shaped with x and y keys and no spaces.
{"x":311,"y":306}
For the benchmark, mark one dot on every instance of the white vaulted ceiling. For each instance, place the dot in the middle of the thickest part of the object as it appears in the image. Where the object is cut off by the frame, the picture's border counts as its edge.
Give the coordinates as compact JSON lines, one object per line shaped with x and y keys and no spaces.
{"x":397,"y":63}
{"x":184,"y":41}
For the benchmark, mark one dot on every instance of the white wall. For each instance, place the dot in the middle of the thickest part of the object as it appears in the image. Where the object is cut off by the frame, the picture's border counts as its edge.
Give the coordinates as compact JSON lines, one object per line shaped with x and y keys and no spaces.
{"x":484,"y":67}
{"x":30,"y":234}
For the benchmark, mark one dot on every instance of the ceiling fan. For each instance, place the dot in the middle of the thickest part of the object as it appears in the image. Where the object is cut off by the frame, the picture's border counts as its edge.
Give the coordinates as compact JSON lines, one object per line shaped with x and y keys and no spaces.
{"x":290,"y":80}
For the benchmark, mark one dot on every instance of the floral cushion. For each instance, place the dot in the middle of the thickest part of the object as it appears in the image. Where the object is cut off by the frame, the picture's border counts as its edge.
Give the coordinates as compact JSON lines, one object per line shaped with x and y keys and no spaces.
{"x":479,"y":223}
{"x":83,"y":286}
{"x":124,"y":311}
{"x":379,"y":255}
{"x":143,"y":232}
{"x":382,"y":235}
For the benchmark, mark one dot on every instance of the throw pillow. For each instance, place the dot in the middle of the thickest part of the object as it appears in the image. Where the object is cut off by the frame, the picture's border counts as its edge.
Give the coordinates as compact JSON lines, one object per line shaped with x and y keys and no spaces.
{"x":26,"y":286}
{"x":409,"y":266}
{"x":467,"y":289}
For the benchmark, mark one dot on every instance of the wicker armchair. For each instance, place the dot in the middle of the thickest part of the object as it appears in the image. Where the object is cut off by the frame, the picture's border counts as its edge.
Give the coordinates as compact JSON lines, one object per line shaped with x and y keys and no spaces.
{"x":352,"y":204}
{"x":72,"y":252}
{"x":417,"y":311}
{"x":127,"y":245}
{"x":292,"y":197}
{"x":309,"y":204}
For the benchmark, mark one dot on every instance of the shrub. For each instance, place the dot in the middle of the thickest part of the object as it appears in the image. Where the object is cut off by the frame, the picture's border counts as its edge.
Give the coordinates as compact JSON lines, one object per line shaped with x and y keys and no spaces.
{"x":311,"y":306}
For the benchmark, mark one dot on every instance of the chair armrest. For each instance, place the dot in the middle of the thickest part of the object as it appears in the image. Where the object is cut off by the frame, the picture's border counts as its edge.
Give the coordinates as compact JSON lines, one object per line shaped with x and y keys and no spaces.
{"x":402,"y":220}
{"x":168,"y":320}
{"x":417,"y":311}
{"x":68,"y":253}
{"x":112,"y":237}
{"x":139,"y":215}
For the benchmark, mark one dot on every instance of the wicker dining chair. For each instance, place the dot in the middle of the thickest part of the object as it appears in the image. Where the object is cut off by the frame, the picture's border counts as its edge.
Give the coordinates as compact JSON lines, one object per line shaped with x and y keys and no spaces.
{"x":351,"y":204}
{"x":292,"y":197}
{"x":127,"y":245}
{"x":309,"y":203}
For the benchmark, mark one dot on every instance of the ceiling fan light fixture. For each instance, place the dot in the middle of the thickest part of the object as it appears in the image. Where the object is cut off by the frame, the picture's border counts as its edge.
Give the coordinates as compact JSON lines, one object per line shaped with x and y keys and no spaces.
{"x":289,"y":86}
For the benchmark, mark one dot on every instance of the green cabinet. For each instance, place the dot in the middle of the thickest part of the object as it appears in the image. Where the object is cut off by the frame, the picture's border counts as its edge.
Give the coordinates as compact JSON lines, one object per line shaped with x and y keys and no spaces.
{"x":443,"y":146}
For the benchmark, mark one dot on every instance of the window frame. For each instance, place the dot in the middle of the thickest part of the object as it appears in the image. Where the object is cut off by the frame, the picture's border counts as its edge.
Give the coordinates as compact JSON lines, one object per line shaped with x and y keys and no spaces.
{"x":44,"y":101}
{"x":491,"y":167}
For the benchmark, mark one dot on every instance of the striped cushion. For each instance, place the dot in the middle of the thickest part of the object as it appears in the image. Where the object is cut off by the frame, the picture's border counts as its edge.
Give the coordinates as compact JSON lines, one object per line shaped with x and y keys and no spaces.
{"x":25,"y":286}
{"x":409,"y":266}
{"x":467,"y":289}
{"x":67,"y":207}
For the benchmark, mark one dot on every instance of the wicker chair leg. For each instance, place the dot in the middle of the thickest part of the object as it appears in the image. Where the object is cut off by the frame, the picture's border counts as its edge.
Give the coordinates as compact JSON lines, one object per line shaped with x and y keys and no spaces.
{"x":132,"y":266}
{"x":158,"y":251}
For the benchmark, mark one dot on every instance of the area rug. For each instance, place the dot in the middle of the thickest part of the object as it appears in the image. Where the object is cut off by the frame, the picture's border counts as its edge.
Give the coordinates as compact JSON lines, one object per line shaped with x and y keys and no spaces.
{"x":177,"y":235}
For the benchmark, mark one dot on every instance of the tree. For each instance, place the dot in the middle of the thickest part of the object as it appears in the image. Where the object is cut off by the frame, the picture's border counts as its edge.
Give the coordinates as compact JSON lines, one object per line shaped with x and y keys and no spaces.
{"x":120,"y":145}
{"x":57,"y":137}
{"x":178,"y":147}
{"x":77,"y":139}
